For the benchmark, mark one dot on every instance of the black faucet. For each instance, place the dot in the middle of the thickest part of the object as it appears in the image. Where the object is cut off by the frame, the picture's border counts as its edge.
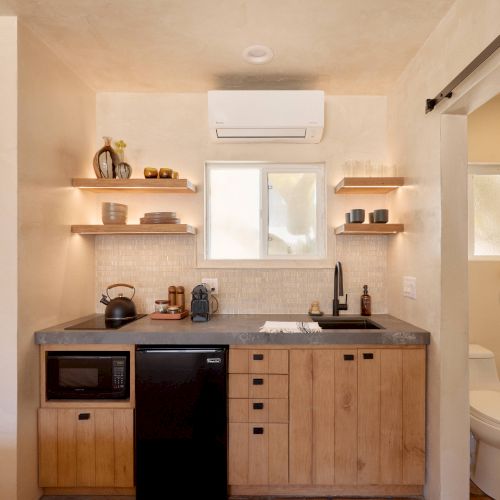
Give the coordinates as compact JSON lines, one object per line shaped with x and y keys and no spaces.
{"x":338,"y":290}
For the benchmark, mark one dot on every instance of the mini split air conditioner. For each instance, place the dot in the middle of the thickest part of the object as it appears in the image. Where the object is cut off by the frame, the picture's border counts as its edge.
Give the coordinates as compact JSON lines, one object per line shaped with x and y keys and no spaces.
{"x":266,"y":115}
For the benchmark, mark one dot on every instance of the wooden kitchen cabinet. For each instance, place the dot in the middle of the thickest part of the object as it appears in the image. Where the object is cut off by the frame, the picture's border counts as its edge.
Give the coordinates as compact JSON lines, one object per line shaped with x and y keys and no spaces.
{"x":357,"y":417}
{"x":258,"y":454}
{"x":86,"y":448}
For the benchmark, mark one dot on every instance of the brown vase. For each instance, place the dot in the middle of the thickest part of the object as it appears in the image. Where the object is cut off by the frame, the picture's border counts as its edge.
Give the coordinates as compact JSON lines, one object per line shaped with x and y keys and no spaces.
{"x":106,"y":160}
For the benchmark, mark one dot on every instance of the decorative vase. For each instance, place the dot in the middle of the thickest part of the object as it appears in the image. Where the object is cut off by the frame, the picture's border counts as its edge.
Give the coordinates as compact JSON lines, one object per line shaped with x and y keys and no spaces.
{"x":123,"y":170}
{"x":106,"y":160}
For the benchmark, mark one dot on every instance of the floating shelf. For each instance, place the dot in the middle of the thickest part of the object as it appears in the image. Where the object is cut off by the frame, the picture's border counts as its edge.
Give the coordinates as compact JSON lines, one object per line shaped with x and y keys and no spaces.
{"x":370,"y":229}
{"x":174,"y":186}
{"x":134,"y":229}
{"x":368,"y":185}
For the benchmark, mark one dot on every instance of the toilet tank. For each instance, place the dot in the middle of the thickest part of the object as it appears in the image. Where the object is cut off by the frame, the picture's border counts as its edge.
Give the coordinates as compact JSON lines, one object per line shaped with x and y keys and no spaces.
{"x":482,"y":368}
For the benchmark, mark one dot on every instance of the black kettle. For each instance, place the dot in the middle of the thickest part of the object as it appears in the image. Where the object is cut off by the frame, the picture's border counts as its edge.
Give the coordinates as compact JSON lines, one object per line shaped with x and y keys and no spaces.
{"x":120,"y":307}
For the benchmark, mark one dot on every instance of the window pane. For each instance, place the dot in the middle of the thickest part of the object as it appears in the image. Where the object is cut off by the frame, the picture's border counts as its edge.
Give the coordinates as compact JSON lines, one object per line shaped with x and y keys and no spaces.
{"x":292,"y":214}
{"x":234,"y":213}
{"x":486,"y":214}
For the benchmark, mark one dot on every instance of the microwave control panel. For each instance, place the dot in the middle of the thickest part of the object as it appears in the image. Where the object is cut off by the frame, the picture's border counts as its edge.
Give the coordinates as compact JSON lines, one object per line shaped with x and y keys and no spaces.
{"x":118,"y":374}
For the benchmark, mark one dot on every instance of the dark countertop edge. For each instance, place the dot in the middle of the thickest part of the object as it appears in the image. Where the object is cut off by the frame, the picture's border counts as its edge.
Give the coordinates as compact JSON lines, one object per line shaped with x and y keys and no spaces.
{"x":218,"y":332}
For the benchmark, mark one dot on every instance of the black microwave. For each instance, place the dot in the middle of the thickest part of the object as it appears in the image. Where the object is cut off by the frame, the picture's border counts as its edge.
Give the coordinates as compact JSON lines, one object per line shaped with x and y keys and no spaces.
{"x":88,"y":375}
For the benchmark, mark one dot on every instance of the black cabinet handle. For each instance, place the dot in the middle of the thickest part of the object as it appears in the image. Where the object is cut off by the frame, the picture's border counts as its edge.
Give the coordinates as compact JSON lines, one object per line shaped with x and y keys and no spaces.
{"x":258,"y":406}
{"x":348,"y":357}
{"x":258,"y":430}
{"x":258,"y":357}
{"x":368,"y":355}
{"x":84,"y":416}
{"x":258,"y":381}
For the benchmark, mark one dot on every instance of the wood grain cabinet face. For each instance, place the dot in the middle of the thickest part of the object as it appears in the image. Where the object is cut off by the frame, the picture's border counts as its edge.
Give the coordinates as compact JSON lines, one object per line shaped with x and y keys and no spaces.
{"x":357,"y":417}
{"x":258,"y":454}
{"x":86,"y":448}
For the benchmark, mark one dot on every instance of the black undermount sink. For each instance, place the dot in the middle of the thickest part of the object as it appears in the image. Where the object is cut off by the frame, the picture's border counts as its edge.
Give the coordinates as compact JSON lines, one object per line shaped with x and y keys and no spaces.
{"x":339,"y":323}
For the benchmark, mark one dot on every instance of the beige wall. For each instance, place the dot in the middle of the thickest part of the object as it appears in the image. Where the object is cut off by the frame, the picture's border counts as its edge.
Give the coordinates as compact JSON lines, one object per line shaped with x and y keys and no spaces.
{"x":484,"y":133}
{"x":172,"y":129}
{"x":8,"y":256}
{"x":484,"y":276}
{"x":56,"y":269}
{"x":414,"y":144}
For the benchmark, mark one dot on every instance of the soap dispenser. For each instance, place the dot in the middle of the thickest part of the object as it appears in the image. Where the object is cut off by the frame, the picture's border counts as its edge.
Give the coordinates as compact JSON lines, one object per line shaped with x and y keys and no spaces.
{"x":366,"y":302}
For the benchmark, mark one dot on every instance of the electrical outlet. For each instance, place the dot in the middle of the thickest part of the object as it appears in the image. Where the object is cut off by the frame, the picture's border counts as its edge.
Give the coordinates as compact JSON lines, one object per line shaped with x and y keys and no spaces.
{"x":410,"y":287}
{"x":213,"y":284}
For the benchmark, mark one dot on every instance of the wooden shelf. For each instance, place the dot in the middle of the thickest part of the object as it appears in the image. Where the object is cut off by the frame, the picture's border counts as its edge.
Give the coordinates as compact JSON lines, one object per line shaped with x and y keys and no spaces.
{"x":368,"y":185}
{"x":370,"y":229}
{"x":134,"y":229}
{"x":174,"y":186}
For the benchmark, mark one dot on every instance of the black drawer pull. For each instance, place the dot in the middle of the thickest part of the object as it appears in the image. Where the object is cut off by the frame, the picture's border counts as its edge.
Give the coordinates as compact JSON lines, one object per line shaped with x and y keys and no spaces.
{"x":368,"y":355}
{"x":258,"y":357}
{"x":84,"y":416}
{"x":348,"y":357}
{"x":258,"y":381}
{"x":258,"y":406}
{"x":258,"y":430}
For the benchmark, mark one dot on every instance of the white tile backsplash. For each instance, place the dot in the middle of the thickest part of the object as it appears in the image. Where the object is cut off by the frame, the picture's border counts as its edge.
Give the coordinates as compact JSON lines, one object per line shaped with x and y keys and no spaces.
{"x":151,"y":263}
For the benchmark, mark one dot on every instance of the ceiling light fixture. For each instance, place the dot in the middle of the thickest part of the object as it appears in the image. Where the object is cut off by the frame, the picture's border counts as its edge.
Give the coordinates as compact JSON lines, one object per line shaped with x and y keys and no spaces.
{"x":258,"y":54}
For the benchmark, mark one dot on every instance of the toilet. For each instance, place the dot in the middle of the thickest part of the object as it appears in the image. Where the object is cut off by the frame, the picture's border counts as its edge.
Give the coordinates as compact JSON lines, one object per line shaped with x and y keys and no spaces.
{"x":484,"y":396}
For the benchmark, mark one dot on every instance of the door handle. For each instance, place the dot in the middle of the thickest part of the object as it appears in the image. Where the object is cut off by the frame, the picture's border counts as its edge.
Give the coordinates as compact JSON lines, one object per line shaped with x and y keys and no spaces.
{"x":84,"y":416}
{"x":348,"y":357}
{"x":258,"y":381}
{"x":368,"y":355}
{"x":258,"y":406}
{"x":258,"y":357}
{"x":258,"y":430}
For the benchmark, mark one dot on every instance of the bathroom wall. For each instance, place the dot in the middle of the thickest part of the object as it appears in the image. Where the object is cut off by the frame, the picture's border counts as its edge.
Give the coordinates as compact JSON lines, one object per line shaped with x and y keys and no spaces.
{"x":171,"y":130}
{"x":8,"y":257}
{"x":56,"y":269}
{"x":484,"y":275}
{"x":428,"y":249}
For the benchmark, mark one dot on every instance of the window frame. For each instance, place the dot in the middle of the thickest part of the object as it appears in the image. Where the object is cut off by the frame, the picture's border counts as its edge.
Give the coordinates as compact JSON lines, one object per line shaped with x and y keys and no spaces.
{"x":265,"y":167}
{"x":473,"y":169}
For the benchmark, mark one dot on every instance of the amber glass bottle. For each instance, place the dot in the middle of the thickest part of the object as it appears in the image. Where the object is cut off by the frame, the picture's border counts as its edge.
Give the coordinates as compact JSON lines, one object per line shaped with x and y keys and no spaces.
{"x":366,"y":302}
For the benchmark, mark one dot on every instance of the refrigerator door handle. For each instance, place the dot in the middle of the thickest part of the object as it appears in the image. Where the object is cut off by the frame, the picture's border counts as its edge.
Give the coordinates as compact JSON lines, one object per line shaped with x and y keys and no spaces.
{"x":177,"y":351}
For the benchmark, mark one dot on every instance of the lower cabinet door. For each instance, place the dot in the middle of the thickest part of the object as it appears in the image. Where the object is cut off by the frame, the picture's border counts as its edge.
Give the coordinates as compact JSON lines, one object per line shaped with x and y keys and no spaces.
{"x":258,"y":453}
{"x":86,"y":447}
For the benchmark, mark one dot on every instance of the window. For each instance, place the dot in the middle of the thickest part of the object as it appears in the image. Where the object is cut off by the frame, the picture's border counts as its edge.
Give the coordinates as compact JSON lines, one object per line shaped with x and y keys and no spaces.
{"x":484,"y":211}
{"x":264,"y":211}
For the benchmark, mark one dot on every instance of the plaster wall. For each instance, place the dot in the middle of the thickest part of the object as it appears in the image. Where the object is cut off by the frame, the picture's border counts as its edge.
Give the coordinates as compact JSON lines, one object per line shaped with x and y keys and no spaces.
{"x":8,"y":257}
{"x":431,"y":248}
{"x":172,"y":130}
{"x":56,"y":269}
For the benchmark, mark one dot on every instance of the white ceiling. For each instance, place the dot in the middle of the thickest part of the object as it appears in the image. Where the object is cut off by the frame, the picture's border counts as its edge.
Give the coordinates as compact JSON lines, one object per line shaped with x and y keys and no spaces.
{"x":340,"y":46}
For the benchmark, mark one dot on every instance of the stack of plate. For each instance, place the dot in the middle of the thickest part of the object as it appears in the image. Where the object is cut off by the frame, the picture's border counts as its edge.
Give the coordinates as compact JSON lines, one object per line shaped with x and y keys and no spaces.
{"x":114,"y":213}
{"x":160,"y":218}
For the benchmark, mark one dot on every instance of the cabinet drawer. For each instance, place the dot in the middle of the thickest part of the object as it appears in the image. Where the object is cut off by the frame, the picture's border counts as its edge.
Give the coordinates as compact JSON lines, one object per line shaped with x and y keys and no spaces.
{"x":258,"y":454}
{"x":266,"y":361}
{"x":258,"y":410}
{"x":258,"y":386}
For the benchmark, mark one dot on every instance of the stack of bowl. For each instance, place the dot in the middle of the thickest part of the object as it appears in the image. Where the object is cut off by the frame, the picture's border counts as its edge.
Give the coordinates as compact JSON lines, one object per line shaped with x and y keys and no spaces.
{"x":114,"y":213}
{"x":160,"y":218}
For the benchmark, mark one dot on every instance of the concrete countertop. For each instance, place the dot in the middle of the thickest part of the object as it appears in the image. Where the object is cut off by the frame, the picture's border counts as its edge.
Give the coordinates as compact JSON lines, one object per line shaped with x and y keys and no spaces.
{"x":233,"y":329}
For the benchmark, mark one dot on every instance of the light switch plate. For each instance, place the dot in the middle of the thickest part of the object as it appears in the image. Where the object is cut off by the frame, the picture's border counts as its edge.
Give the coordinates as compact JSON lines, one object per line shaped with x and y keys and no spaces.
{"x":213,"y":283}
{"x":410,"y":287}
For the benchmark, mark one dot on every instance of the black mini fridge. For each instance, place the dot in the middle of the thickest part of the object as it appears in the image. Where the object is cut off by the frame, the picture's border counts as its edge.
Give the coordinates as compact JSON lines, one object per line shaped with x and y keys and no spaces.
{"x":181,"y":423}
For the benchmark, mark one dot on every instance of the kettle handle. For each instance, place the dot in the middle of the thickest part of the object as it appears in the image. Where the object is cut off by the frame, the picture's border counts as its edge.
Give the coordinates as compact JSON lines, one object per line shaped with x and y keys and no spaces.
{"x":120,"y":284}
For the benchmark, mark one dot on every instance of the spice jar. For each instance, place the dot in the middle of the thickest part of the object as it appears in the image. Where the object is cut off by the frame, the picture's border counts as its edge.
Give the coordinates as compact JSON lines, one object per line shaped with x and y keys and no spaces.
{"x":161,"y":306}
